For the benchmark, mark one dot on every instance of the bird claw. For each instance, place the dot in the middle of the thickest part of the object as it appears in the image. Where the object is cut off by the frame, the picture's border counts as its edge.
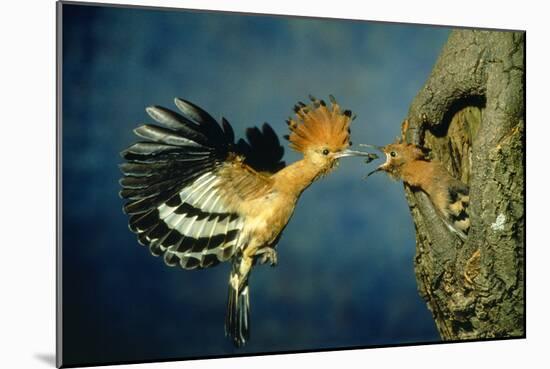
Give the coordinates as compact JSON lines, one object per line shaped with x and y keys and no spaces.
{"x":268,"y":255}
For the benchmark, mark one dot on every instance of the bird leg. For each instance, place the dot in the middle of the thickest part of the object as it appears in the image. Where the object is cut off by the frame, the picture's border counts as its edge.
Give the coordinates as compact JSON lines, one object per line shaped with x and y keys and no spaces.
{"x":267,"y":255}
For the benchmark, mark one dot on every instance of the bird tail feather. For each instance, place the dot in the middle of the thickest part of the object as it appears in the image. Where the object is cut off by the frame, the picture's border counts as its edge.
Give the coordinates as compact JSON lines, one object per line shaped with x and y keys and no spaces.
{"x":237,"y":318}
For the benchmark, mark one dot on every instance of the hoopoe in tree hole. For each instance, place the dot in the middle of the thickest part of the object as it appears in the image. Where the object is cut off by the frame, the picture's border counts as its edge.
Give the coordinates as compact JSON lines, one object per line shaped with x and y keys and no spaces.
{"x":197,"y":198}
{"x":410,"y":164}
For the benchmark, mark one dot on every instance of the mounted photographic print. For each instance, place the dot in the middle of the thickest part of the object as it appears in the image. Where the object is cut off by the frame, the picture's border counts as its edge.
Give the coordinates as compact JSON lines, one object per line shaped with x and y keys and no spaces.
{"x":237,"y":184}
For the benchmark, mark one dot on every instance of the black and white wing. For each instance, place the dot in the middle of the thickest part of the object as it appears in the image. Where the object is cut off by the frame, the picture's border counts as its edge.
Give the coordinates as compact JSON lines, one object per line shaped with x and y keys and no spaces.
{"x":171,"y":181}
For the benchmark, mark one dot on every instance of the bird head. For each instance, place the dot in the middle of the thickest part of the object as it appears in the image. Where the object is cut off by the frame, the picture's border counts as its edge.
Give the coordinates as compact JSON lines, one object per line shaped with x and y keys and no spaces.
{"x":397,"y":155}
{"x":322,"y":133}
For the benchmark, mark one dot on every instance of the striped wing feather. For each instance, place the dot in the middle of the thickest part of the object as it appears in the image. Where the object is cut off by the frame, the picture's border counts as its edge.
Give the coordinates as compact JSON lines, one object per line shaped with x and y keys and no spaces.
{"x":173,"y":180}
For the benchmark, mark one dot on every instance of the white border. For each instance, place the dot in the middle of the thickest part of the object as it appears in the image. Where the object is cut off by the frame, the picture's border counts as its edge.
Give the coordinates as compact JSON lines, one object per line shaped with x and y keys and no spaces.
{"x":27,"y":165}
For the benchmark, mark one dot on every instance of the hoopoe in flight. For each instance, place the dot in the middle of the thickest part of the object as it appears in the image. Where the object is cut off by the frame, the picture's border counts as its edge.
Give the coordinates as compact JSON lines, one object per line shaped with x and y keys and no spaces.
{"x":409,"y":163}
{"x":198,"y":199}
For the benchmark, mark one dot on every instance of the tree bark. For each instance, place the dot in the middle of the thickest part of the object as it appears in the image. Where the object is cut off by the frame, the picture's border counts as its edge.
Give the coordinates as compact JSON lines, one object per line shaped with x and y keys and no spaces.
{"x":471,"y":114}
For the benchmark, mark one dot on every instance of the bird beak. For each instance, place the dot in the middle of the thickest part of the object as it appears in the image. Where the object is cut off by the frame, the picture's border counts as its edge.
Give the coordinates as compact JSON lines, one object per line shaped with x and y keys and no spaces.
{"x":379,"y":148}
{"x":347,"y":152}
{"x":374,"y":171}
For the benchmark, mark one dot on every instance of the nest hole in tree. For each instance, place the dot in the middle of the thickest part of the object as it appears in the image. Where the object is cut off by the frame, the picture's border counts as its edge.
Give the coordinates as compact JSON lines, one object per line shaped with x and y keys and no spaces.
{"x":452,"y":140}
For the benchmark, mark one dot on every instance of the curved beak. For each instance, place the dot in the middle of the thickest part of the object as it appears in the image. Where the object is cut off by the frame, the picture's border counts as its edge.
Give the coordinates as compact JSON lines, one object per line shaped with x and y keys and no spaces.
{"x":347,"y":152}
{"x":379,"y":148}
{"x":374,"y":171}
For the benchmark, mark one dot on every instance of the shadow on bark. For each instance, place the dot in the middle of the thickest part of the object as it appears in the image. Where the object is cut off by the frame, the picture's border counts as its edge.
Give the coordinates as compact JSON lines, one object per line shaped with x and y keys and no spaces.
{"x":471,"y":114}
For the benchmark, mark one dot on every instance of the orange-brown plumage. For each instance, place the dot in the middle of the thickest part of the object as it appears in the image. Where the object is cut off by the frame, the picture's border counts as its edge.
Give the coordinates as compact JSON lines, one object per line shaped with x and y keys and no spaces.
{"x":267,"y":201}
{"x":410,"y":164}
{"x":318,"y":124}
{"x":198,"y":198}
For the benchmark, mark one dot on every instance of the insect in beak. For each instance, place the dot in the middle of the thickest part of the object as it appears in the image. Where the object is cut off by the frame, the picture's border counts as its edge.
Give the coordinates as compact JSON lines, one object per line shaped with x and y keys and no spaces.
{"x":347,"y":152}
{"x":379,"y":148}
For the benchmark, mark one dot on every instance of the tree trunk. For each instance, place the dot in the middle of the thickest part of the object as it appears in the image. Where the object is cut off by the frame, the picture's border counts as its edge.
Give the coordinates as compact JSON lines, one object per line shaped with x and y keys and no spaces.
{"x":471,"y":114}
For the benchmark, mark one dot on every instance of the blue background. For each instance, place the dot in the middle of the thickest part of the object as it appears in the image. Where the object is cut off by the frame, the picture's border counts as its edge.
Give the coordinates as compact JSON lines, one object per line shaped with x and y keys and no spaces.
{"x":345,"y":276}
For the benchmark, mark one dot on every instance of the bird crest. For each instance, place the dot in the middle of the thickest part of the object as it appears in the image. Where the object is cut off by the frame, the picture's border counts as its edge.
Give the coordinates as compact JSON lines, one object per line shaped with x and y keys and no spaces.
{"x":317,"y":124}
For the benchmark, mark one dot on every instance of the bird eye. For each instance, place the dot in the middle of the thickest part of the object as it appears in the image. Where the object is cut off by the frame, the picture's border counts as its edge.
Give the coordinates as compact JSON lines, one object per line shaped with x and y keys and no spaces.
{"x":393,"y":154}
{"x":325,"y":152}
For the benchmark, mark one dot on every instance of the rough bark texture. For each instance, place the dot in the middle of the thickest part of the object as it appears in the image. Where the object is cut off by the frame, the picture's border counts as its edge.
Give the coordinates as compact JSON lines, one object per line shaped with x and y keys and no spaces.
{"x":471,"y":114}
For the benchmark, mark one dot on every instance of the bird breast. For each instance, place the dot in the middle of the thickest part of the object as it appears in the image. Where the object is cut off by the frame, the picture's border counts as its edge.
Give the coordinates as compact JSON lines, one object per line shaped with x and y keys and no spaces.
{"x":266,"y":217}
